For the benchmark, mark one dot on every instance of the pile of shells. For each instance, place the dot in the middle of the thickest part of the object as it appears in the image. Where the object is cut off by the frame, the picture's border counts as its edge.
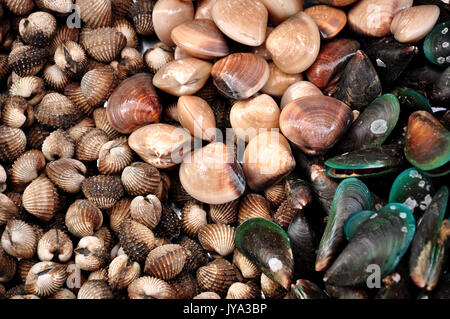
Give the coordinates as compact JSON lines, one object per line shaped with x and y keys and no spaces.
{"x":237,"y":149}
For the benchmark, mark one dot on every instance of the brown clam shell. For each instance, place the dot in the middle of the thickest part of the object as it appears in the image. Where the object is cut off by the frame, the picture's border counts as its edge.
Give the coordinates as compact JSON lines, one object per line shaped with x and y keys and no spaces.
{"x":196,"y":256}
{"x":323,"y":122}
{"x":83,"y":218}
{"x":184,"y":285}
{"x":240,"y":75}
{"x":90,"y":253}
{"x":102,"y":190}
{"x":146,"y":211}
{"x":63,"y":34}
{"x":71,"y":58}
{"x":136,"y":239}
{"x":279,"y":81}
{"x":280,"y":10}
{"x":19,"y":7}
{"x":8,"y":210}
{"x":284,"y":215}
{"x":40,"y":198}
{"x":89,"y":144}
{"x":329,"y":20}
{"x":67,"y":174}
{"x":276,"y":193}
{"x":74,"y":93}
{"x":103,"y":44}
{"x":217,"y":276}
{"x":338,"y":3}
{"x":38,"y":29}
{"x":127,"y":29}
{"x":122,"y":272}
{"x":218,"y":238}
{"x":14,"y":111}
{"x":95,"y":13}
{"x":150,"y":288}
{"x":193,"y":217}
{"x":56,"y":110}
{"x":204,"y":9}
{"x":55,"y":78}
{"x":7,"y":266}
{"x":158,"y":56}
{"x":141,"y":14}
{"x":120,"y":7}
{"x":19,"y":239}
{"x":119,"y":212}
{"x":101,"y":122}
{"x":254,"y":205}
{"x":45,"y":278}
{"x":239,"y":290}
{"x":55,"y":244}
{"x":98,"y":84}
{"x":29,"y":87}
{"x":114,"y":156}
{"x":224,"y":213}
{"x":58,"y":145}
{"x":27,"y":60}
{"x":166,"y":261}
{"x":26,"y":168}
{"x":95,"y":289}
{"x":12,"y":143}
{"x":133,"y":104}
{"x":247,"y":268}
{"x":140,"y":179}
{"x":58,"y":7}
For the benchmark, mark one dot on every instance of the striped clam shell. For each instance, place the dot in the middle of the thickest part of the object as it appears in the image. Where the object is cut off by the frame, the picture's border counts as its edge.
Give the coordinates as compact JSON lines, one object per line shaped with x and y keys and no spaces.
{"x":254,"y":205}
{"x":83,"y":218}
{"x":150,"y":288}
{"x":193,"y":217}
{"x":166,"y":261}
{"x":40,"y":198}
{"x":45,"y":278}
{"x":218,"y":238}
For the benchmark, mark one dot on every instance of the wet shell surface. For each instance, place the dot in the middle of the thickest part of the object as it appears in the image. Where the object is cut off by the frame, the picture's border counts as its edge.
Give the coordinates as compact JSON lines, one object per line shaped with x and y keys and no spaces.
{"x":166,"y":261}
{"x":19,"y":239}
{"x":114,"y":156}
{"x":146,"y":210}
{"x":254,"y":205}
{"x":193,"y":217}
{"x":218,"y":238}
{"x":217,"y":276}
{"x":136,"y":239}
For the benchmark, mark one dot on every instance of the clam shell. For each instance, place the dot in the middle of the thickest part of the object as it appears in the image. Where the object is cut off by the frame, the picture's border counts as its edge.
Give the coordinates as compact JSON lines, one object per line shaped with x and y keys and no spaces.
{"x":247,"y":268}
{"x":254,"y":205}
{"x":63,"y":293}
{"x":114,"y":156}
{"x":56,"y":110}
{"x":58,"y":145}
{"x":218,"y":238}
{"x":329,"y":20}
{"x":88,"y":147}
{"x":166,"y":261}
{"x":141,"y":14}
{"x":193,"y":217}
{"x":55,"y":244}
{"x":196,"y":115}
{"x":140,"y":179}
{"x":19,"y":239}
{"x":240,"y":75}
{"x":158,"y":56}
{"x":38,"y":29}
{"x":271,"y":289}
{"x":63,"y":34}
{"x":103,"y":44}
{"x":169,"y":226}
{"x":120,"y":7}
{"x":71,"y":58}
{"x":217,"y":276}
{"x":130,"y":64}
{"x":67,"y":174}
{"x":127,"y":29}
{"x":280,"y":10}
{"x":102,"y":190}
{"x":278,"y":81}
{"x":122,"y":272}
{"x":24,"y":266}
{"x":207,"y":295}
{"x":7,"y":266}
{"x":136,"y":239}
{"x":8,"y":210}
{"x":119,"y":212}
{"x":45,"y":278}
{"x":196,"y":255}
{"x":59,"y":7}
{"x":101,"y":122}
{"x":146,"y":211}
{"x":74,"y":93}
{"x":98,"y":84}
{"x":29,"y":87}
{"x":150,"y":288}
{"x":26,"y":168}
{"x":40,"y":198}
{"x":184,"y":285}
{"x":90,"y":253}
{"x":204,"y":9}
{"x":83,"y":219}
{"x":239,"y":290}
{"x":276,"y":194}
{"x":95,"y":13}
{"x":27,"y":60}
{"x":55,"y":78}
{"x":14,"y":112}
{"x":284,"y":214}
{"x":95,"y":289}
{"x":20,"y":7}
{"x":224,"y":213}
{"x":12,"y":143}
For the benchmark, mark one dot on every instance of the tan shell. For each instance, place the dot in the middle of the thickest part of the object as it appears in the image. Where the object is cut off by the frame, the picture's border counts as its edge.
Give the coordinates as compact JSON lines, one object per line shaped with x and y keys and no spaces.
{"x":71,"y":58}
{"x":279,"y":81}
{"x":24,"y":266}
{"x":280,"y":10}
{"x":26,"y":168}
{"x":161,"y":145}
{"x":167,"y":14}
{"x":63,"y":34}
{"x":7,"y":266}
{"x":224,"y":213}
{"x":254,"y":205}
{"x":207,"y":295}
{"x":83,"y":218}
{"x":193,"y":217}
{"x":330,"y":20}
{"x":90,"y":253}
{"x":40,"y":198}
{"x":247,"y":268}
{"x":19,"y":7}
{"x":140,"y":179}
{"x":27,"y":60}
{"x":276,"y":193}
{"x":204,"y":9}
{"x":284,"y":214}
{"x":67,"y":174}
{"x":131,"y":63}
{"x":150,"y":288}
{"x":57,"y":6}
{"x":74,"y":93}
{"x":244,"y":21}
{"x":14,"y":112}
{"x":119,"y":212}
{"x":267,"y":159}
{"x":184,"y":76}
{"x":8,"y":210}
{"x":166,"y":261}
{"x":105,"y":234}
{"x":100,"y":274}
{"x":239,"y":290}
{"x":55,"y":244}
{"x":114,"y":156}
{"x":197,"y":256}
{"x":373,"y":18}
{"x":88,"y":147}
{"x":38,"y":28}
{"x":200,"y":38}
{"x":95,"y":289}
{"x":101,"y":122}
{"x":29,"y":87}
{"x":298,"y":90}
{"x":19,"y":239}
{"x":12,"y":143}
{"x":218,"y":238}
{"x":127,"y":29}
{"x":195,"y":114}
{"x":3,"y":178}
{"x":54,"y":77}
{"x":141,"y":14}
{"x":136,"y":239}
{"x":58,"y":145}
{"x":146,"y":210}
{"x":45,"y":278}
{"x":122,"y":271}
{"x":63,"y":293}
{"x":102,"y":190}
{"x":413,"y":24}
{"x":294,"y":44}
{"x":217,"y":276}
{"x":98,"y":84}
{"x":120,"y":7}
{"x":56,"y":110}
{"x":158,"y":56}
{"x":271,"y":289}
{"x":96,"y":13}
{"x":252,"y":116}
{"x":103,"y":44}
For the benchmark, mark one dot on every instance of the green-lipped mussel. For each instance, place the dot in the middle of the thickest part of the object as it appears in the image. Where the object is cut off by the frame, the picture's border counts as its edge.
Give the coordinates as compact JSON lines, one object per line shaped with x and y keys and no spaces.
{"x":436,"y":46}
{"x":305,"y":289}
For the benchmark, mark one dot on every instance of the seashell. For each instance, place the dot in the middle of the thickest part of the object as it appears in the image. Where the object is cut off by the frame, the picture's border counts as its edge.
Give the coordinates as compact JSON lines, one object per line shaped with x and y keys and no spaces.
{"x":83,"y":219}
{"x":12,"y":143}
{"x":338,"y":3}
{"x":36,"y":135}
{"x":133,"y":104}
{"x":59,"y":7}
{"x":63,"y":293}
{"x":14,"y":112}
{"x":4,"y":67}
{"x":20,"y":7}
{"x":440,"y":93}
{"x":330,"y":20}
{"x":324,"y":121}
{"x":89,"y":144}
{"x":101,"y":274}
{"x":40,"y":198}
{"x":95,"y":289}
{"x":140,"y":179}
{"x":45,"y":278}
{"x":74,"y":93}
{"x":184,"y":76}
{"x":280,"y":10}
{"x":217,"y":276}
{"x":114,"y":156}
{"x":63,"y":34}
{"x":120,"y":7}
{"x":167,"y":14}
{"x":374,"y":18}
{"x":95,"y":13}
{"x":247,"y":268}
{"x":7,"y":266}
{"x":271,"y":289}
{"x":102,"y":190}
{"x":3,"y":178}
{"x":224,"y":213}
{"x":127,"y":29}
{"x":56,"y":110}
{"x":180,"y":54}
{"x":409,"y":25}
{"x":166,"y":261}
{"x":193,"y":217}
{"x":279,"y":81}
{"x":146,"y":211}
{"x":276,"y":193}
{"x":71,"y":58}
{"x":240,"y":75}
{"x":219,"y":178}
{"x":122,"y":272}
{"x":158,"y":56}
{"x":27,"y":60}
{"x":130,"y":64}
{"x":239,"y":290}
{"x":200,"y":38}
{"x":169,"y":226}
{"x":58,"y":145}
{"x":207,"y":295}
{"x":55,"y":244}
{"x":305,"y":289}
{"x":161,"y":145}
{"x":252,"y":116}
{"x":26,"y":168}
{"x":254,"y":205}
{"x":90,"y":253}
{"x":141,"y":14}
{"x":54,"y":77}
{"x":294,"y":44}
{"x":67,"y":174}
{"x":177,"y":192}
{"x":104,"y":234}
{"x":218,"y":238}
{"x":98,"y":84}
{"x":136,"y":239}
{"x":196,"y":255}
{"x":38,"y":29}
{"x":195,"y":114}
{"x":101,"y":122}
{"x":434,"y":47}
{"x":204,"y":9}
{"x":150,"y":288}
{"x":19,"y":239}
{"x":29,"y":87}
{"x":8,"y":210}
{"x":103,"y":44}
{"x":184,"y":285}
{"x":267,"y":160}
{"x":120,"y":211}
{"x":243,"y":21}
{"x":284,"y":214}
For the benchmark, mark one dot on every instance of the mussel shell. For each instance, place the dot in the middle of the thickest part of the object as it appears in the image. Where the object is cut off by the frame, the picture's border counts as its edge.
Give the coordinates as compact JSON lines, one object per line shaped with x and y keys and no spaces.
{"x":436,"y":46}
{"x":298,"y":192}
{"x":411,"y":101}
{"x":440,"y":92}
{"x":305,"y":289}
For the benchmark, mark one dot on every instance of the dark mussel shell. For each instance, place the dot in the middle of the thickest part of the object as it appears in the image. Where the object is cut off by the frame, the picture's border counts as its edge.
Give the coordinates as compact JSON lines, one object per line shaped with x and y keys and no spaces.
{"x":359,"y":84}
{"x":395,"y":286}
{"x":298,"y":192}
{"x":442,"y":290}
{"x":420,"y":77}
{"x":374,"y":161}
{"x":440,"y":92}
{"x":373,"y":125}
{"x":351,"y":196}
{"x":428,"y":250}
{"x":390,"y":58}
{"x":381,"y":240}
{"x":436,"y":45}
{"x":305,"y":289}
{"x":346,"y":292}
{"x":267,"y":246}
{"x":411,"y":101}
{"x":331,"y":61}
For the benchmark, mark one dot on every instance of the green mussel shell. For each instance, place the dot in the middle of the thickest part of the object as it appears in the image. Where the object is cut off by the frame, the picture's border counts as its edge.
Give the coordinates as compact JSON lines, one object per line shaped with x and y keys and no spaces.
{"x":305,"y":289}
{"x":436,"y":46}
{"x":412,"y":101}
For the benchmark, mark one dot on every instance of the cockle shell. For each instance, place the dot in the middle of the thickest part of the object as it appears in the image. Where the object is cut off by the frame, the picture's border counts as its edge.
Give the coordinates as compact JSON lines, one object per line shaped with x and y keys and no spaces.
{"x":102,"y":190}
{"x":150,"y":288}
{"x":166,"y":261}
{"x":218,"y":238}
{"x":19,"y":239}
{"x":55,"y":244}
{"x":45,"y":278}
{"x":83,"y":218}
{"x":67,"y":174}
{"x":40,"y":198}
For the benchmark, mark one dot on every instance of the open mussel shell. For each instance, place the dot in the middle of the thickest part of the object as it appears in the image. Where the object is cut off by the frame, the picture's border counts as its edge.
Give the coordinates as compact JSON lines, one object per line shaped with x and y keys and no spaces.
{"x":351,"y":197}
{"x":381,"y":240}
{"x":373,"y":125}
{"x":436,"y":46}
{"x":374,"y":161}
{"x":305,"y":289}
{"x":428,"y":252}
{"x":427,"y":144}
{"x":413,"y":189}
{"x":267,"y":246}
